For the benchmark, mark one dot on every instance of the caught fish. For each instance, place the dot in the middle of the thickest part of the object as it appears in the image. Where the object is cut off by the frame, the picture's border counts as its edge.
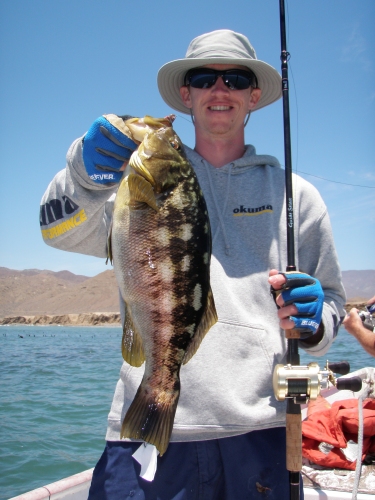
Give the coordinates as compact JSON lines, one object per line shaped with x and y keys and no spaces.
{"x":161,"y":248}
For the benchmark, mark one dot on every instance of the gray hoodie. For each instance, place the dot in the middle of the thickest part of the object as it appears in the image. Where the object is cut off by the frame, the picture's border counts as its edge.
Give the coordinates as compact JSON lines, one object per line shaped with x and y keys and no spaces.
{"x":226,"y":388}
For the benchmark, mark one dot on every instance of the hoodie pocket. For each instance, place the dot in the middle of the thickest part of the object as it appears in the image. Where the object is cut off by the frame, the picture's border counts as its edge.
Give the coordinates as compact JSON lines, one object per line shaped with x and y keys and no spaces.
{"x":228,"y":383}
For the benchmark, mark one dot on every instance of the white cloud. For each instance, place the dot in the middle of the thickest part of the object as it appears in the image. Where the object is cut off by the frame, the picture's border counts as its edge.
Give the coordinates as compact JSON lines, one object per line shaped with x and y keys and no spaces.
{"x":355,"y":51}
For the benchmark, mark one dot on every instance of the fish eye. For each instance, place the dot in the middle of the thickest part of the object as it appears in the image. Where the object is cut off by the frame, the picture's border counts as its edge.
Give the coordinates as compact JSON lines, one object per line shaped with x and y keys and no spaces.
{"x":174,"y":143}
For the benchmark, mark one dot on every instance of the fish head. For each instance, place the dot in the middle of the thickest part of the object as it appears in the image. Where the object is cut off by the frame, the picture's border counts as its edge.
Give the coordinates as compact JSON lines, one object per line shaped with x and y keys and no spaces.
{"x":160,"y":158}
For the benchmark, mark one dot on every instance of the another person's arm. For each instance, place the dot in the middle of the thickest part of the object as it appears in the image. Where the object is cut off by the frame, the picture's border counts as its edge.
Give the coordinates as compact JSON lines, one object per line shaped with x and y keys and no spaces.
{"x":353,"y":325}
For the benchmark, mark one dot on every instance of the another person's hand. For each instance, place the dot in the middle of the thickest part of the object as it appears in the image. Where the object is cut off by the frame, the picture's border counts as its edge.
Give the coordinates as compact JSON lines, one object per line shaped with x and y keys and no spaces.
{"x":371,"y":303}
{"x":352,"y":321}
{"x":300,"y":301}
{"x":354,"y":325}
{"x":106,"y":151}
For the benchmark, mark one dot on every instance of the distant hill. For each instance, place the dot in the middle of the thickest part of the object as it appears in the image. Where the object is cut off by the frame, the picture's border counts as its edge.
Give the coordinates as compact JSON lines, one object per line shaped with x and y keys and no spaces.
{"x":65,"y":275}
{"x":36,"y":292}
{"x":33,"y":291}
{"x":359,"y":285}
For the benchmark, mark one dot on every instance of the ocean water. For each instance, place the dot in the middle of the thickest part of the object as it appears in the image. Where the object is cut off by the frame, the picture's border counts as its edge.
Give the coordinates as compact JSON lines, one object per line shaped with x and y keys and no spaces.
{"x":56,"y":389}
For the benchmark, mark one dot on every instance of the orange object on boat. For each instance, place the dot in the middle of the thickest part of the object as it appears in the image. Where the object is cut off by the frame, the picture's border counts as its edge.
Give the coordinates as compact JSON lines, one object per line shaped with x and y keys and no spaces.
{"x":327,"y":430}
{"x":318,"y":404}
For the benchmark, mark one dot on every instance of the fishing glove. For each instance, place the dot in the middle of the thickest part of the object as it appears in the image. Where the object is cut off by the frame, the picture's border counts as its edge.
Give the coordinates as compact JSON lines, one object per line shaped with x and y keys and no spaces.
{"x":306,"y":293}
{"x":105,"y":149}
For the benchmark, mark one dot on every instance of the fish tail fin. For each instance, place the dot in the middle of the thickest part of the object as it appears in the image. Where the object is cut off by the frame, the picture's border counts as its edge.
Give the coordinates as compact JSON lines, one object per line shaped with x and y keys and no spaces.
{"x":150,"y":417}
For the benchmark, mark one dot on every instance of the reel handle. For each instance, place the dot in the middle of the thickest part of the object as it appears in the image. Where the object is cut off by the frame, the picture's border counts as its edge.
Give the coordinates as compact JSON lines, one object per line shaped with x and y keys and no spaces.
{"x":341,"y":367}
{"x":349,"y":384}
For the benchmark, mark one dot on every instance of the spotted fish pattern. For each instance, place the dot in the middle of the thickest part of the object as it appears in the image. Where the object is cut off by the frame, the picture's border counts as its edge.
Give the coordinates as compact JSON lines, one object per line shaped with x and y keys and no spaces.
{"x":161,"y":248}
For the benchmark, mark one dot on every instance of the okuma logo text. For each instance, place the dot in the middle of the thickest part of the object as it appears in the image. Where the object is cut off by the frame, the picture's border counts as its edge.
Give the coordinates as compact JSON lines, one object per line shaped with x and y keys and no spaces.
{"x":242,"y":210}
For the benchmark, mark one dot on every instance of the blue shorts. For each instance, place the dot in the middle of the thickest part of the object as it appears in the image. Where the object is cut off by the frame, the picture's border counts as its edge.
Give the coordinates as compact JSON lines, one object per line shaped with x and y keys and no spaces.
{"x":249,"y":466}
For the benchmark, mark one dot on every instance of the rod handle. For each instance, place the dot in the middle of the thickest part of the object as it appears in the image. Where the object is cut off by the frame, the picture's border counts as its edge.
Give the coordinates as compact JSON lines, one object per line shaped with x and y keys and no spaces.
{"x":293,"y":442}
{"x":292,"y":334}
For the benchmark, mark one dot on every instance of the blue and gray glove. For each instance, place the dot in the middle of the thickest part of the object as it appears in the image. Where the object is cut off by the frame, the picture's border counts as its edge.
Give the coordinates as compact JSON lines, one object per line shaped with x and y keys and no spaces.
{"x":306,"y":293}
{"x":105,"y":149}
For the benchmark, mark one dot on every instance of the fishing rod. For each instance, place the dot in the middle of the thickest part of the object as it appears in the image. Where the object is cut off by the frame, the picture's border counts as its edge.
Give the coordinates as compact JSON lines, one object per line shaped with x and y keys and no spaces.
{"x":293,"y":382}
{"x":293,"y":410}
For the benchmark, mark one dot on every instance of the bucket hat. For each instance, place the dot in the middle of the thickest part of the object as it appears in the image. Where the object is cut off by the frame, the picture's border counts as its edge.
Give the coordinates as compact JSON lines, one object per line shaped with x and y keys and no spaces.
{"x":218,"y":47}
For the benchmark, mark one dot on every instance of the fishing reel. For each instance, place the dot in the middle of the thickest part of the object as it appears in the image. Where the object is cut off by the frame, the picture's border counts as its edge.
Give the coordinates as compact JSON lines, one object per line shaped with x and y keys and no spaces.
{"x":305,"y":382}
{"x":367,"y":318}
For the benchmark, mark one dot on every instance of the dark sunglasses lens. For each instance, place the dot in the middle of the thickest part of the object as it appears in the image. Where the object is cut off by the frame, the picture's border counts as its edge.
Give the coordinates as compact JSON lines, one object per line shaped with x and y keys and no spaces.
{"x":233,"y":79}
{"x":202,"y":80}
{"x":236,"y":81}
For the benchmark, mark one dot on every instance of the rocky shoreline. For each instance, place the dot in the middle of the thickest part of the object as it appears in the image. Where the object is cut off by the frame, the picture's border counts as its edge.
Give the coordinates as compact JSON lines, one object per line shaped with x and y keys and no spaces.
{"x":83,"y":319}
{"x":92,"y":319}
{"x":359,"y":305}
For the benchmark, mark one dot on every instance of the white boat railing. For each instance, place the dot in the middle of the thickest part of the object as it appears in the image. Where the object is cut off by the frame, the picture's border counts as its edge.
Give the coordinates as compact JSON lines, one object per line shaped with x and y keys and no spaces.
{"x":71,"y":488}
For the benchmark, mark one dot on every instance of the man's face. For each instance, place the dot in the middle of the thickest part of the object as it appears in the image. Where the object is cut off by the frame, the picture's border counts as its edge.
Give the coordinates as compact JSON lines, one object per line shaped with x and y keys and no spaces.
{"x":218,"y":110}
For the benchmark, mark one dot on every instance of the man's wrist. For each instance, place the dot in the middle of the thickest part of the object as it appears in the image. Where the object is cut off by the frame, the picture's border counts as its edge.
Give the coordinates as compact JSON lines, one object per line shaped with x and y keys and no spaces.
{"x":314,"y":340}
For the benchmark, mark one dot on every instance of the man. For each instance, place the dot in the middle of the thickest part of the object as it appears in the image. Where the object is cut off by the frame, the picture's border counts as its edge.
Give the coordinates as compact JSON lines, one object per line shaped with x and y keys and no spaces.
{"x":354,"y":325}
{"x":228,"y":440}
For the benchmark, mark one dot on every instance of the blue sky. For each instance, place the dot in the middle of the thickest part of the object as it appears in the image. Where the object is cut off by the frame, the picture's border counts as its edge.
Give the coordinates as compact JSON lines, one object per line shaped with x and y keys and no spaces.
{"x":63,"y":63}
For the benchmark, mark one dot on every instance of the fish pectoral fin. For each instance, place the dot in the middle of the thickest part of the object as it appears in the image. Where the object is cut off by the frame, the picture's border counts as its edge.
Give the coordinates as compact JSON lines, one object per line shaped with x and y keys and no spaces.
{"x":109,"y":245}
{"x":141,"y":191}
{"x":208,"y":320}
{"x":131,"y":343}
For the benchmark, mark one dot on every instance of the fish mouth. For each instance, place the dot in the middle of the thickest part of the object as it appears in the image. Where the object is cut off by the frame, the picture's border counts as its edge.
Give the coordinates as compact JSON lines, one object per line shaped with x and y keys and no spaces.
{"x":140,"y":127}
{"x":137,"y":165}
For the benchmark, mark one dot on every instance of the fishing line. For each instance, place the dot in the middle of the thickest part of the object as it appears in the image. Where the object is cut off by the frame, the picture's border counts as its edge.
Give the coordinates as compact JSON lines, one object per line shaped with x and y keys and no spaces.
{"x":184,"y":118}
{"x":297,"y":117}
{"x":330,"y":180}
{"x":337,"y":182}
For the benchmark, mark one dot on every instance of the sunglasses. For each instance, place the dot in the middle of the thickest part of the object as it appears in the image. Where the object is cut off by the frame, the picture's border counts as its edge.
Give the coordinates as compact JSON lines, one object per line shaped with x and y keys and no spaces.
{"x":234,"y":79}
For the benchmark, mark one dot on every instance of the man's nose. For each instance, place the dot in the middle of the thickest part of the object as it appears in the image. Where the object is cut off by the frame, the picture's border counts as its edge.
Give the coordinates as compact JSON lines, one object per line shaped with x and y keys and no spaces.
{"x":220,"y":85}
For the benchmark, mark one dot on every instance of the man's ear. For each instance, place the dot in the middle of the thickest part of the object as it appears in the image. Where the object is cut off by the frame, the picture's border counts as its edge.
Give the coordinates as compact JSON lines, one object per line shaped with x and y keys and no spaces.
{"x":255,"y":95}
{"x":185,"y":96}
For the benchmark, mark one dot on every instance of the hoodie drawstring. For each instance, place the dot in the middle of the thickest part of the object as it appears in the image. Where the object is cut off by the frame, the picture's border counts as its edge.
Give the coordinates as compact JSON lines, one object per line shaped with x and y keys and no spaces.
{"x":221,"y":213}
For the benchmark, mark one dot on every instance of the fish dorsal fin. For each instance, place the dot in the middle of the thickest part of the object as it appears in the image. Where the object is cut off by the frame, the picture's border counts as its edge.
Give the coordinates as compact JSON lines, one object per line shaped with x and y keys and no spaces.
{"x":141,"y":191}
{"x":131,"y":343}
{"x":208,"y":320}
